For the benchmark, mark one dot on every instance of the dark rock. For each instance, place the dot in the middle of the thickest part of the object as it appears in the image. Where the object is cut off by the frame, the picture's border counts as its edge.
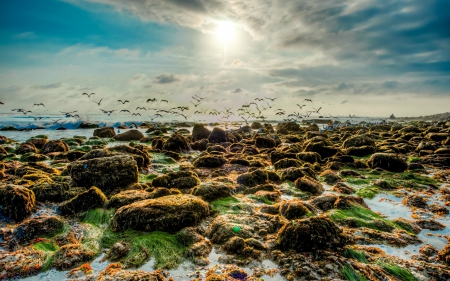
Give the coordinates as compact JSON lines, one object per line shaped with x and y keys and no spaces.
{"x":130,"y":135}
{"x":346,"y":202}
{"x":293,"y":173}
{"x":330,"y":177}
{"x":309,"y":184}
{"x":387,"y":161}
{"x":310,"y":157}
{"x":55,"y":146}
{"x":276,"y":156}
{"x":209,"y":161}
{"x":414,"y":200}
{"x":90,"y":199}
{"x":200,"y":145}
{"x":430,"y":224}
{"x":176,"y":143}
{"x":256,"y":126}
{"x":310,"y":234}
{"x":199,"y":132}
{"x":287,"y":163}
{"x":217,"y":135}
{"x":265,"y":142}
{"x":38,"y":227}
{"x":358,"y":141}
{"x":293,"y":209}
{"x":253,"y":178}
{"x":320,"y":145}
{"x":26,"y":148}
{"x":210,"y":191}
{"x":71,"y":255}
{"x":55,"y":192}
{"x":180,"y":180}
{"x":168,"y":213}
{"x":106,"y":173}
{"x":105,"y":132}
{"x":324,"y":202}
{"x":360,"y":151}
{"x":343,"y":188}
{"x":444,"y":255}
{"x":17,"y":202}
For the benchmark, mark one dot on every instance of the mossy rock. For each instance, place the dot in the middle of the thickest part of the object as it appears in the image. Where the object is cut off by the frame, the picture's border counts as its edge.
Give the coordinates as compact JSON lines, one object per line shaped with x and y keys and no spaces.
{"x":71,"y":255}
{"x":287,"y":163}
{"x":168,"y":213}
{"x":210,"y":191}
{"x":26,"y":148}
{"x":209,"y":161}
{"x":253,"y":178}
{"x":106,"y":173}
{"x":176,"y":143}
{"x":310,"y":234}
{"x":309,"y":184}
{"x":90,"y":199}
{"x":42,"y":226}
{"x":293,"y":209}
{"x":33,"y":157}
{"x":55,"y":146}
{"x":181,"y":180}
{"x":17,"y":202}
{"x":55,"y":192}
{"x":387,"y":161}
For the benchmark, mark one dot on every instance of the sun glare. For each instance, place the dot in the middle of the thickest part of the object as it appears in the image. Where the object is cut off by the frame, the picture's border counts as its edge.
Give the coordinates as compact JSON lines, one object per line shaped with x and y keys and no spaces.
{"x":225,"y":32}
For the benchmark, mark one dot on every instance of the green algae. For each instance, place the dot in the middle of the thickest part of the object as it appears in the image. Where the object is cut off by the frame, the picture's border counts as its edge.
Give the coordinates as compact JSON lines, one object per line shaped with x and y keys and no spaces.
{"x":98,"y":217}
{"x":353,"y":254}
{"x":227,"y":205}
{"x":397,"y":271}
{"x":262,"y":199}
{"x":166,"y":248}
{"x":413,"y":159}
{"x":147,"y":178}
{"x":351,"y":274}
{"x":368,"y":192}
{"x":46,"y":246}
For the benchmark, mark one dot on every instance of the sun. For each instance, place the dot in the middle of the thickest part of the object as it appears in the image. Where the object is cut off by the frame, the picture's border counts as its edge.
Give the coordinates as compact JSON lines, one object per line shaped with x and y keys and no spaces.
{"x":225,"y":32}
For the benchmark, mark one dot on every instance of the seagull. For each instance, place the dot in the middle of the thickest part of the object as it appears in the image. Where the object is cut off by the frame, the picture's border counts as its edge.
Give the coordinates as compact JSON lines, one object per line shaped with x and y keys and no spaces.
{"x":125,"y":110}
{"x":195,"y":104}
{"x":88,"y":95}
{"x":141,"y":108}
{"x":152,"y":100}
{"x":1,"y":102}
{"x":123,"y":102}
{"x":37,"y":104}
{"x":272,"y":99}
{"x":166,"y":101}
{"x":317,"y":110}
{"x":301,"y":106}
{"x":99,"y":102}
{"x":308,"y":100}
{"x":135,"y":114}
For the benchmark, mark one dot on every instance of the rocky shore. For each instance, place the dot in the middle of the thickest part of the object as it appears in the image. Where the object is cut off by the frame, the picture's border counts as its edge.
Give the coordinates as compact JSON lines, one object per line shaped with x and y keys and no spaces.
{"x":299,"y":197}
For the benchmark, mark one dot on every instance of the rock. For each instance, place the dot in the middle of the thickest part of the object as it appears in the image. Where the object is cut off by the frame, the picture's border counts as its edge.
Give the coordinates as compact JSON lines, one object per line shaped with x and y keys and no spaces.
{"x":320,"y":145}
{"x":217,"y":135}
{"x":118,"y":251}
{"x":310,"y":234}
{"x":168,"y":213}
{"x":38,"y":227}
{"x":414,"y":200}
{"x":428,"y":250}
{"x":210,"y":191}
{"x":55,"y":146}
{"x":310,"y":157}
{"x":392,"y":116}
{"x":288,"y":127}
{"x":265,"y":142}
{"x":158,"y":143}
{"x":130,"y":135}
{"x":105,"y":132}
{"x":444,"y":255}
{"x":387,"y":161}
{"x":430,"y":224}
{"x":200,"y":145}
{"x":291,"y":174}
{"x":235,"y":245}
{"x":330,"y":177}
{"x":106,"y":173}
{"x":346,"y":202}
{"x":276,"y":156}
{"x":343,"y":188}
{"x":55,"y":192}
{"x":358,"y":141}
{"x":199,"y":132}
{"x":209,"y":161}
{"x":253,"y":178}
{"x":180,"y":180}
{"x":176,"y":143}
{"x":90,"y":199}
{"x":143,"y":159}
{"x":407,"y":224}
{"x":293,"y":209}
{"x":71,"y":255}
{"x":17,"y":202}
{"x":438,"y":209}
{"x":287,"y":163}
{"x":87,"y":125}
{"x":360,"y":151}
{"x":129,"y":196}
{"x":256,"y":126}
{"x":309,"y":184}
{"x":324,"y":202}
{"x":26,"y":148}
{"x":438,"y":137}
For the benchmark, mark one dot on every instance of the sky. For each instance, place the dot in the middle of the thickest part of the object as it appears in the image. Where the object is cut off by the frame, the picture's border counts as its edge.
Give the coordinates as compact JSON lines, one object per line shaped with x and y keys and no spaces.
{"x":359,"y":57}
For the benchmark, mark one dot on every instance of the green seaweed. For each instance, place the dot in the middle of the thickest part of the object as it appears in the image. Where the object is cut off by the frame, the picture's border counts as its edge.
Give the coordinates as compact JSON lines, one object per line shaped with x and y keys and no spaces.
{"x":98,"y":217}
{"x":166,"y":248}
{"x":358,"y":181}
{"x":46,"y":246}
{"x":397,"y":271}
{"x":147,"y":178}
{"x":262,"y":199}
{"x":357,"y":255}
{"x":413,"y":159}
{"x":227,"y":205}
{"x":368,"y":192}
{"x":351,"y":274}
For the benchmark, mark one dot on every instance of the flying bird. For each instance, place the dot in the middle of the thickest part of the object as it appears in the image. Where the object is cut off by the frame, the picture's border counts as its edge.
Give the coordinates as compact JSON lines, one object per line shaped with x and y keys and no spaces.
{"x":135,"y":114}
{"x":125,"y":110}
{"x":99,"y":102}
{"x":88,"y":95}
{"x":38,"y":104}
{"x":272,"y":99}
{"x":308,"y":100}
{"x":123,"y":102}
{"x":166,"y":101}
{"x":152,"y":100}
{"x":137,"y":108}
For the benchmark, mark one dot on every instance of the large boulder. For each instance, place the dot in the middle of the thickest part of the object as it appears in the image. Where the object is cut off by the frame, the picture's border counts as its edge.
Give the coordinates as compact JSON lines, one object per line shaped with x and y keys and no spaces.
{"x":253,"y":178}
{"x":90,"y":199}
{"x":130,"y":135}
{"x":176,"y":143}
{"x":217,"y":135}
{"x":210,"y":191}
{"x":358,"y":141}
{"x":55,"y":191}
{"x":55,"y":146}
{"x":388,"y":161}
{"x":293,"y":209}
{"x":169,"y":213}
{"x":38,"y":227}
{"x":320,"y":145}
{"x":180,"y":180}
{"x":105,"y":132}
{"x":199,"y":132}
{"x":16,"y":202}
{"x":309,"y":184}
{"x":310,"y":234}
{"x":26,"y":148}
{"x":265,"y":142}
{"x":106,"y":173}
{"x":141,"y":157}
{"x":209,"y":161}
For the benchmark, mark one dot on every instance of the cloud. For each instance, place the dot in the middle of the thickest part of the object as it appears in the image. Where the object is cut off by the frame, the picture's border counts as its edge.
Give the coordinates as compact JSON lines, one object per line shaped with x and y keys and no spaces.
{"x":49,"y":86}
{"x":237,"y":90}
{"x":391,"y":84}
{"x":166,"y":78}
{"x":344,"y":101}
{"x":25,"y":35}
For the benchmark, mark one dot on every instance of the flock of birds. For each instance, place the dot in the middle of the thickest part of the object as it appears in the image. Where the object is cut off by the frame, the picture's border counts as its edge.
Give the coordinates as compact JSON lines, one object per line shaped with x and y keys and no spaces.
{"x":259,"y":109}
